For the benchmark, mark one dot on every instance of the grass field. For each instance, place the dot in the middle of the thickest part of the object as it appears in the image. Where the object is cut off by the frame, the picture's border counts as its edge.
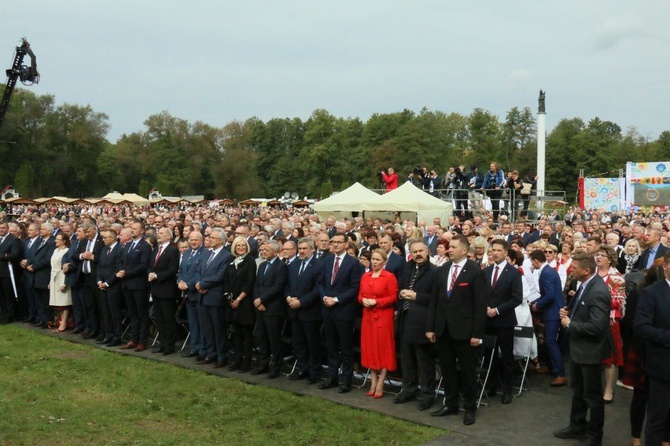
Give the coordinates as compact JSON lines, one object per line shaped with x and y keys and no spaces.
{"x":54,"y":392}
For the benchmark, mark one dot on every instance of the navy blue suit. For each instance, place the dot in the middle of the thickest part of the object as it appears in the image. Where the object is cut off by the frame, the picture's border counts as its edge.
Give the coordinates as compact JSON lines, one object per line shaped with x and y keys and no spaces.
{"x":210,"y":275}
{"x":550,"y":303}
{"x":29,"y":276}
{"x":135,"y":264}
{"x":396,"y":265}
{"x":41,"y":264}
{"x":306,"y":320}
{"x":338,"y":320}
{"x":269,"y":288}
{"x":188,"y":274}
{"x":432,"y":244}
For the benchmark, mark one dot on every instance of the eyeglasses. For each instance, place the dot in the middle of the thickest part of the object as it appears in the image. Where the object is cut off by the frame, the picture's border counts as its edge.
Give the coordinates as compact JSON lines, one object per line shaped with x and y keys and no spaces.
{"x":549,"y":251}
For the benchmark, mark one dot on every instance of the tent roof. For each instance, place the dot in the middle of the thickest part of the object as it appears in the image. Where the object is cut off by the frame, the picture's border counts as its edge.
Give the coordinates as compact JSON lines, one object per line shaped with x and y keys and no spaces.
{"x":408,"y":198}
{"x":134,"y":199}
{"x":354,"y":198}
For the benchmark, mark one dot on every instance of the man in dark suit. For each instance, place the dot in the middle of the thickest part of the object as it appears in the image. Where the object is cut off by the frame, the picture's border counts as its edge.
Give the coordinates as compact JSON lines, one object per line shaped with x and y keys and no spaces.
{"x":549,"y":304}
{"x":304,"y":311}
{"x":210,"y":276}
{"x":338,"y":290}
{"x":504,"y":292}
{"x":456,"y":323}
{"x":29,"y":249}
{"x":395,"y":263}
{"x":10,"y":253}
{"x":322,"y":247}
{"x":418,"y":362}
{"x":655,"y":250}
{"x":431,"y":240}
{"x":41,"y":268}
{"x":587,"y":324}
{"x":186,"y":280}
{"x":109,"y":286}
{"x":163,"y":268}
{"x":136,"y":259}
{"x":89,"y":254}
{"x":652,"y":324}
{"x":73,"y":279}
{"x":270,"y":309}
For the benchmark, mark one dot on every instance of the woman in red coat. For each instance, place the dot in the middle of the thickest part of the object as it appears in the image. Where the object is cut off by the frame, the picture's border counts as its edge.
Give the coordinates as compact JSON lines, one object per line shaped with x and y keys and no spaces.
{"x":378,"y":292}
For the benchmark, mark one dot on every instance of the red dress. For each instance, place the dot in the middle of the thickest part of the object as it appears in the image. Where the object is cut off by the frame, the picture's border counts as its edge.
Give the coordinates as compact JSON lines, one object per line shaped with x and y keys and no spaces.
{"x":377,"y":340}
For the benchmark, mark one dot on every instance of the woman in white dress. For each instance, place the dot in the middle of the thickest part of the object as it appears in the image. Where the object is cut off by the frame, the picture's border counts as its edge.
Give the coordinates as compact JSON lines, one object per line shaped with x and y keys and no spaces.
{"x":59,"y":293}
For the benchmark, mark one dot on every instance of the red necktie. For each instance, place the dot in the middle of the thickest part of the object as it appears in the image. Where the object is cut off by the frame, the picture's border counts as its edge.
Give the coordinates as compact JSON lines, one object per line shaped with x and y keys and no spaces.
{"x":158,"y":254}
{"x":336,"y":268}
{"x":495,"y":277}
{"x":453,"y":277}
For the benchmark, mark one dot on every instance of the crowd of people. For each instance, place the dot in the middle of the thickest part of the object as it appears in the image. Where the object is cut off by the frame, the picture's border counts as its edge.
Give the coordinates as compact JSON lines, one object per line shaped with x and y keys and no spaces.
{"x":594,"y":286}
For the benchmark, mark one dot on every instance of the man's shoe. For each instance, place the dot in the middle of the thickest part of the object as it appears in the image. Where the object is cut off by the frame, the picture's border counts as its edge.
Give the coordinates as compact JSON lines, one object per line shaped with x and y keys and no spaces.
{"x":103,"y":340}
{"x":544,"y":370}
{"x":114,"y":342}
{"x":274,"y":374}
{"x":219,"y":364}
{"x":206,"y":361}
{"x":469,"y":418}
{"x":188,"y":354}
{"x":296,"y":375}
{"x":328,"y":384}
{"x":344,"y":388}
{"x":444,"y":411}
{"x":559,"y":381}
{"x":140,"y":347}
{"x":235,"y":366}
{"x":77,"y":330}
{"x":100,"y":339}
{"x":157,"y":350}
{"x":426,"y":403}
{"x":569,"y":432}
{"x":312,"y":380}
{"x":507,"y":397}
{"x":168,"y":352}
{"x":259,"y":371}
{"x":91,"y":335}
{"x":403,"y":397}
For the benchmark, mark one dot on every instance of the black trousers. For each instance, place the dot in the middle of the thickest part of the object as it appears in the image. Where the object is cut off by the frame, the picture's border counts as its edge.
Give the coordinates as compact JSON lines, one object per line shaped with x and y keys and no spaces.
{"x":268,"y":337}
{"x":449,"y":351}
{"x":418,"y":368}
{"x":244,"y":344}
{"x":7,"y":299}
{"x":110,"y":300}
{"x":91,"y":303}
{"x":306,"y":340}
{"x":137,"y":302}
{"x":658,"y":411}
{"x":503,"y":365}
{"x":214,"y":329}
{"x":587,"y":396}
{"x":339,"y":340}
{"x":165,"y":313}
{"x":42,"y":304}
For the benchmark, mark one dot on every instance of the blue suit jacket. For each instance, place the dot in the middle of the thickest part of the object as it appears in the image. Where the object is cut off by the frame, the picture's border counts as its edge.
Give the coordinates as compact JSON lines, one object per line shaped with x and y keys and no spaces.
{"x":136,"y":264}
{"x":71,"y":259}
{"x":270,"y":285}
{"x":304,"y":287}
{"x":396,"y":265}
{"x":188,"y":270}
{"x":211,"y":277}
{"x":42,"y":263}
{"x":345,"y":287}
{"x":29,"y":254}
{"x":551,"y":294}
{"x":652,"y":323}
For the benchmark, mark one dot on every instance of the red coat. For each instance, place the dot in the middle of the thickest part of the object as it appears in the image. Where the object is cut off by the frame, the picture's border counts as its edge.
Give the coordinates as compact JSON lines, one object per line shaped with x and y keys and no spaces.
{"x":391,"y":181}
{"x":377,"y":328}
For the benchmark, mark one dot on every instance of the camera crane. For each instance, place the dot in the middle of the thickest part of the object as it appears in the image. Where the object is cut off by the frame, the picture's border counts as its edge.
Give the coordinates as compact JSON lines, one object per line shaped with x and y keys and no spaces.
{"x":27,"y":74}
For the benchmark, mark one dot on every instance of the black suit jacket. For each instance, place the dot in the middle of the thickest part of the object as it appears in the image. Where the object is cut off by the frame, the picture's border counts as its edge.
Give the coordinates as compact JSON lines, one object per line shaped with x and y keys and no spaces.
{"x":108,"y":265}
{"x":97,"y":249}
{"x":304,"y":287}
{"x":28,"y":255}
{"x":463,"y":313}
{"x":166,"y":268}
{"x":589,"y":334}
{"x":42,"y":263}
{"x":345,"y":287}
{"x":505,"y":296}
{"x":71,"y":259}
{"x":135,"y":265}
{"x":642,"y":261}
{"x":413,"y":321}
{"x":10,"y":252}
{"x":269,"y":287}
{"x":652,"y":324}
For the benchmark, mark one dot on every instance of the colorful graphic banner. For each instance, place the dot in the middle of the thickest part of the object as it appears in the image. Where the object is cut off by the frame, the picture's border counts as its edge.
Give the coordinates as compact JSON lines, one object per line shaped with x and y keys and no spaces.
{"x":648,"y":186}
{"x":603,"y":193}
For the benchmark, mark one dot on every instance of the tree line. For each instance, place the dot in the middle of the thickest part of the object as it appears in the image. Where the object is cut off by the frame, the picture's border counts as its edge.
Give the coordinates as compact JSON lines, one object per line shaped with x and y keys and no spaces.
{"x":61,"y":149}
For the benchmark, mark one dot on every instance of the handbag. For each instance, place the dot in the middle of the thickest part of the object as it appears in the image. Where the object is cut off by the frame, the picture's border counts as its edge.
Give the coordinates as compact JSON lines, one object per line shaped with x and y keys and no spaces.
{"x":526,"y":188}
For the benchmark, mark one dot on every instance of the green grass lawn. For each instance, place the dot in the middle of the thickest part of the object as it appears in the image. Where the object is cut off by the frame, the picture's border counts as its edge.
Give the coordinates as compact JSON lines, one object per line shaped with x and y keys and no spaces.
{"x":54,"y":392}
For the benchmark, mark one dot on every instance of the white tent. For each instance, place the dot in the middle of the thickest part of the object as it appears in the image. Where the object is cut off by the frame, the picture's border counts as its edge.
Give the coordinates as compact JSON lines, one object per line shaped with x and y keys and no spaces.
{"x":353,"y":199}
{"x":412,"y":203}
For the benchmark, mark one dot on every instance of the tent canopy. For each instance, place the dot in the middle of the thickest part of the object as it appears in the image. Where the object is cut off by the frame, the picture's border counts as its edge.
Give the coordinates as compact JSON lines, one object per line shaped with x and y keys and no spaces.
{"x":352,"y":200}
{"x":412,"y":203}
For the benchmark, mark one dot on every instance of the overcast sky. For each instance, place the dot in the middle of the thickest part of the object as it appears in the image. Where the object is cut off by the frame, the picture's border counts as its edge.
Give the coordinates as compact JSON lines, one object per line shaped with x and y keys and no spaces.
{"x":217,"y":61}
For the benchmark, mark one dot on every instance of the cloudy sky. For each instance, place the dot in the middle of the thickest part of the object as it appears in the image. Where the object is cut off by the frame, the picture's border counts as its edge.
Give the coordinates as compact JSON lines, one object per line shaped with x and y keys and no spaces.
{"x":217,"y":61}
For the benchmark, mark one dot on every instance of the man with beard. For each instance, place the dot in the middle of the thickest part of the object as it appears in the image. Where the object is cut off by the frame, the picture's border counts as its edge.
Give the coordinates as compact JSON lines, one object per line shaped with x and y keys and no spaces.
{"x":418,"y":363}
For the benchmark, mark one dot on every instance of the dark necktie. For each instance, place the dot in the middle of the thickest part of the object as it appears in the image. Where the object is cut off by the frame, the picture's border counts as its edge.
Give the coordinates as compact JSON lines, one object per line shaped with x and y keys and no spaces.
{"x":576,"y":300}
{"x":158,"y":254}
{"x":495,"y":277}
{"x":454,"y":275}
{"x":302,"y":268}
{"x":405,"y":303}
{"x":336,"y":268}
